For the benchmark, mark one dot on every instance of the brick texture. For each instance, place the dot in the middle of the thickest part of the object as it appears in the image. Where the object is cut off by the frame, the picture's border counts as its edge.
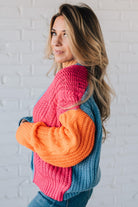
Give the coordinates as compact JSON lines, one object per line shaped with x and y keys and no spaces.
{"x":23,"y":32}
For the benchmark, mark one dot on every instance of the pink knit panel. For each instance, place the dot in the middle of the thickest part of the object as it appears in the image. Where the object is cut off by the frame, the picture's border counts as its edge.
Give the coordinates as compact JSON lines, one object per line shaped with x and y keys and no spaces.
{"x":66,"y":89}
{"x":52,"y":181}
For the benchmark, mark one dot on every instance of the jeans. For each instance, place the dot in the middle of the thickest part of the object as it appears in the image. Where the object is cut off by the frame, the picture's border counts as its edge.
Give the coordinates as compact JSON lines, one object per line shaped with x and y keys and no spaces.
{"x":77,"y":201}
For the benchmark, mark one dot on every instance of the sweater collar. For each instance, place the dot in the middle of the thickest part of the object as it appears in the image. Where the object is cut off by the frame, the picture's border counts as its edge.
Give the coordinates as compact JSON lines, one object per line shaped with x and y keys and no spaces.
{"x":69,"y":63}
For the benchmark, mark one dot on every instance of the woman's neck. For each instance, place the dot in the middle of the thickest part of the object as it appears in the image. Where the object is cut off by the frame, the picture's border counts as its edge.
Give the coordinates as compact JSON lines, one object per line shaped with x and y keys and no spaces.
{"x":69,"y":63}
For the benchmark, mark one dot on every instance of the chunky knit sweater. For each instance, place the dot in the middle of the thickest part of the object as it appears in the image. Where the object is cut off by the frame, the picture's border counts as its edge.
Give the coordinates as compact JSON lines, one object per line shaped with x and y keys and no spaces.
{"x":65,"y":138}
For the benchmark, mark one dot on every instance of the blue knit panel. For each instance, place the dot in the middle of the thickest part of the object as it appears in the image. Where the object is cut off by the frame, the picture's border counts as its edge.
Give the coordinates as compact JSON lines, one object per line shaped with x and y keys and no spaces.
{"x":86,"y":174}
{"x":27,"y":118}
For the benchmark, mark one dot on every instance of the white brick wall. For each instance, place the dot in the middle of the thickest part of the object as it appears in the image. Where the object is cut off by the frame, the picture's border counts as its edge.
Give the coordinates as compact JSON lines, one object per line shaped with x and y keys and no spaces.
{"x":23,"y":32}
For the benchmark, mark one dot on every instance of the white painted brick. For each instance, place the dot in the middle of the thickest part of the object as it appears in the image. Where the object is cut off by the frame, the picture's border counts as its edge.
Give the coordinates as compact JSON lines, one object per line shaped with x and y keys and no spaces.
{"x":129,"y":57}
{"x":9,"y":58}
{"x":114,"y":5}
{"x":124,"y":120}
{"x":131,"y":185}
{"x":37,"y":13}
{"x":119,"y":89}
{"x":16,"y":202}
{"x":49,"y":4}
{"x":9,"y":188}
{"x":119,"y":130}
{"x":128,"y":162}
{"x":21,"y":70}
{"x":114,"y":25}
{"x":92,"y":4}
{"x":36,"y":82}
{"x":8,"y":151}
{"x":107,"y":198}
{"x":119,"y":67}
{"x":134,"y":5}
{"x":14,"y":24}
{"x":132,"y":98}
{"x":109,"y":164}
{"x":40,"y":24}
{"x":121,"y":121}
{"x":8,"y":137}
{"x":11,"y":127}
{"x":25,"y":151}
{"x":132,"y":89}
{"x":131,"y":149}
{"x":129,"y":15}
{"x":8,"y":105}
{"x":131,"y":202}
{"x":14,"y":35}
{"x":9,"y":116}
{"x":95,"y":201}
{"x":15,"y":46}
{"x":38,"y":46}
{"x":130,"y":77}
{"x":27,"y":104}
{"x":133,"y":67}
{"x":132,"y":110}
{"x":23,"y":34}
{"x":113,"y":57}
{"x":134,"y":25}
{"x":28,"y":189}
{"x":16,"y":160}
{"x":131,"y":37}
{"x":109,"y":172}
{"x":134,"y":47}
{"x":14,"y":93}
{"x":106,"y":15}
{"x":107,"y":145}
{"x":37,"y":92}
{"x":112,"y":36}
{"x":117,"y":46}
{"x":8,"y":171}
{"x":10,"y":80}
{"x":132,"y":130}
{"x":9,"y":3}
{"x":33,"y":34}
{"x":25,"y":171}
{"x":131,"y":140}
{"x":32,"y":58}
{"x":6,"y":12}
{"x":43,"y":69}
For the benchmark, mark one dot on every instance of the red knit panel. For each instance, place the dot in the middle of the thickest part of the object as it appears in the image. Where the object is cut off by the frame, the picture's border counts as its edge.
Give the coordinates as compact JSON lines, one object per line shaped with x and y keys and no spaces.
{"x":66,"y":89}
{"x":54,"y":181}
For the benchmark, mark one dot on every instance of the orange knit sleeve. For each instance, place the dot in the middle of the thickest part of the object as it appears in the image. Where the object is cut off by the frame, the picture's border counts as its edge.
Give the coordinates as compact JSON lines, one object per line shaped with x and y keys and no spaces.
{"x":63,"y":146}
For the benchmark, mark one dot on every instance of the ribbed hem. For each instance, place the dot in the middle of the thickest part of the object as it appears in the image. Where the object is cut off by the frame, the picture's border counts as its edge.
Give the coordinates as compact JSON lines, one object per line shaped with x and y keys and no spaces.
{"x":54,"y":181}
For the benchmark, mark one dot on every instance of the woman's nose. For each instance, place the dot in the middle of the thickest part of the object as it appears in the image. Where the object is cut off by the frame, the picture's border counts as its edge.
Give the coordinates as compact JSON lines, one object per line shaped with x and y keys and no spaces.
{"x":57,"y":41}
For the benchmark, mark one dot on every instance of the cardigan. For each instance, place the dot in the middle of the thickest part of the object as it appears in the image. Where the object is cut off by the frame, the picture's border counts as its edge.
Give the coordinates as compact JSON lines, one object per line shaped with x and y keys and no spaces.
{"x":65,"y":138}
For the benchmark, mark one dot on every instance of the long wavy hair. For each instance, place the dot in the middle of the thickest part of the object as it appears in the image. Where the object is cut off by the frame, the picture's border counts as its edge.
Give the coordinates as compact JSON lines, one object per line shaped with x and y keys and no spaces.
{"x":88,"y":49}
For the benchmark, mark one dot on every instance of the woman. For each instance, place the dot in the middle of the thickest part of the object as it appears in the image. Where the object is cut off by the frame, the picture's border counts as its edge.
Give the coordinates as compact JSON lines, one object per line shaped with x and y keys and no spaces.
{"x":65,"y":132}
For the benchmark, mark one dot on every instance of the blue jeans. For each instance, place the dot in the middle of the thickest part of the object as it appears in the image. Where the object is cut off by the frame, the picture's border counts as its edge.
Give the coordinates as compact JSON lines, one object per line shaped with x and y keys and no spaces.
{"x":77,"y":201}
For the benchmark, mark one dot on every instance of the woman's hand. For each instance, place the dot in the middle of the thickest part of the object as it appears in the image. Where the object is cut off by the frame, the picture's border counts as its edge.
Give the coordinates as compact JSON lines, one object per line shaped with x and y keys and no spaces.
{"x":23,"y":120}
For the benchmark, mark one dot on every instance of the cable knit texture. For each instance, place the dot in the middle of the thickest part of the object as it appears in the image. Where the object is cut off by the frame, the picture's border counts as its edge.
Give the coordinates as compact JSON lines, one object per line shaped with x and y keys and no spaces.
{"x":63,"y":146}
{"x":62,"y":137}
{"x":67,"y":89}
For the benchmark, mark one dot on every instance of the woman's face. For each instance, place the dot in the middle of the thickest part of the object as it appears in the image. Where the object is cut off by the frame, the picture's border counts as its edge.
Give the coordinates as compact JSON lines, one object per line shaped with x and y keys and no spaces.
{"x":60,"y":41}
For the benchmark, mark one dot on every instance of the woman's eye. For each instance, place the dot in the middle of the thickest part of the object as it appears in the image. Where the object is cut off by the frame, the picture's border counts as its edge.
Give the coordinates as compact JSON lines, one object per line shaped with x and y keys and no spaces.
{"x":65,"y":34}
{"x":53,"y":33}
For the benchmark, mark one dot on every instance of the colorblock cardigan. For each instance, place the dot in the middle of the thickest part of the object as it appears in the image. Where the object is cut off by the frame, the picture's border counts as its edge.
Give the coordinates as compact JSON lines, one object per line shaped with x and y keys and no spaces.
{"x":65,"y":138}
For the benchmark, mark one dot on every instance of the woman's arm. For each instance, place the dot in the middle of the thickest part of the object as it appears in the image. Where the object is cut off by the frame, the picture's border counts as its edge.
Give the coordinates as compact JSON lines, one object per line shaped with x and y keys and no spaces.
{"x":63,"y":146}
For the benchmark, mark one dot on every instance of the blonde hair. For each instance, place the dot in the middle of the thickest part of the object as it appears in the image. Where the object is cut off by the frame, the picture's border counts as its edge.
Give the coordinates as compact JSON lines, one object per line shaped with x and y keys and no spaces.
{"x":88,"y":48}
